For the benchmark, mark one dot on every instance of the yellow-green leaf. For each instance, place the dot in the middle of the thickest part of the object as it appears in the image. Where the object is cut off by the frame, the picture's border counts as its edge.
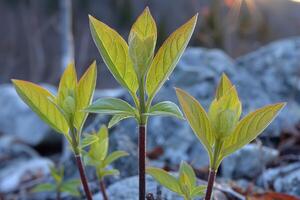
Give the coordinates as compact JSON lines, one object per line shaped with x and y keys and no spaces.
{"x":224,"y":86}
{"x":190,"y":174}
{"x":67,"y":85}
{"x":250,"y":127}
{"x":114,"y":52}
{"x":224,"y":113}
{"x":117,"y":118}
{"x":198,"y":191}
{"x":84,"y":94}
{"x":142,"y":41}
{"x":40,"y":101}
{"x":164,"y":179}
{"x":111,"y":106}
{"x":166,"y":108}
{"x":197,"y":118}
{"x":167,"y":57}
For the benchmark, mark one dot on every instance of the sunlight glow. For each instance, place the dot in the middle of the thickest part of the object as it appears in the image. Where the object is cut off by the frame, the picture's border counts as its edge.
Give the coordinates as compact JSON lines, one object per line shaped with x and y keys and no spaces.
{"x":298,"y":1}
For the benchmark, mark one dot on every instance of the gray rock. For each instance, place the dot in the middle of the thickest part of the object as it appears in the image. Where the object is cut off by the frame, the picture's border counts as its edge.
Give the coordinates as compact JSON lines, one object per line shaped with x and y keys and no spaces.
{"x":284,"y":179}
{"x":248,"y":162}
{"x":18,"y":171}
{"x":18,"y":120}
{"x":127,"y":189}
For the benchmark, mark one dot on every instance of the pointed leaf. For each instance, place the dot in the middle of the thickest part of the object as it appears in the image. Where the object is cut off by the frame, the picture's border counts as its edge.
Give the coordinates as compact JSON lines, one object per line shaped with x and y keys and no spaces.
{"x":71,"y":187}
{"x":98,"y":150}
{"x":44,"y":187}
{"x":198,"y":191}
{"x":117,"y":118}
{"x":84,"y":94}
{"x":166,"y":108}
{"x":188,"y":170}
{"x":197,"y":118}
{"x":57,"y":174}
{"x":88,"y":140}
{"x":111,"y":106}
{"x":110,"y":172}
{"x":142,"y":40}
{"x":250,"y":127}
{"x":167,"y":57}
{"x":38,"y":99}
{"x":114,"y":52}
{"x":114,"y":156}
{"x":224,"y":86}
{"x":164,"y":179}
{"x":67,"y":85}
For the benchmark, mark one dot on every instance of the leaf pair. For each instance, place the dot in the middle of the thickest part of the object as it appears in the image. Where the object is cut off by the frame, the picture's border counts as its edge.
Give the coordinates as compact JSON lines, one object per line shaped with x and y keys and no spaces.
{"x":135,"y":67}
{"x":70,"y":186}
{"x":185,"y":185}
{"x":221,"y":131}
{"x":63,"y":112}
{"x":123,"y":110}
{"x":98,"y":156}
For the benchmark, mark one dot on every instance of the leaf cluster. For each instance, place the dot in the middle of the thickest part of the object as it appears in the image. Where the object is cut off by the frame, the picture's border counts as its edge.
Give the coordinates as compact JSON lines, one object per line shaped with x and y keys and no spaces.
{"x":63,"y":112}
{"x":220,"y":130}
{"x":137,"y":69}
{"x":98,"y":155}
{"x":59,"y":186}
{"x":184,"y":185}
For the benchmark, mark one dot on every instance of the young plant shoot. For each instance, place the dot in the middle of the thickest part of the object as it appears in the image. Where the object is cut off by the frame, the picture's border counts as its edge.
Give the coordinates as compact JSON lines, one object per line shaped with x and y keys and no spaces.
{"x":142,"y":73}
{"x":98,"y":157}
{"x":59,"y":186}
{"x":221,"y":131}
{"x":185,"y":185}
{"x":64,"y":112}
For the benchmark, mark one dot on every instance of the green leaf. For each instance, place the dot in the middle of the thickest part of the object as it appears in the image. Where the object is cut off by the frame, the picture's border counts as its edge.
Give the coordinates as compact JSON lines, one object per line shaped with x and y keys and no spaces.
{"x":164,"y":179}
{"x":71,"y":187}
{"x":224,"y":86}
{"x":111,"y":172}
{"x":167,"y":57}
{"x":142,"y":40}
{"x":67,"y":86}
{"x":224,"y":113}
{"x":57,"y":174}
{"x":198,"y":191}
{"x":84,"y":94}
{"x":114,"y":156}
{"x":39,"y":100}
{"x":197,"y":118}
{"x":166,"y":108}
{"x":117,"y":118}
{"x":114,"y":52}
{"x":88,"y":140}
{"x":189,"y":172}
{"x":44,"y":187}
{"x":111,"y":106}
{"x":250,"y":127}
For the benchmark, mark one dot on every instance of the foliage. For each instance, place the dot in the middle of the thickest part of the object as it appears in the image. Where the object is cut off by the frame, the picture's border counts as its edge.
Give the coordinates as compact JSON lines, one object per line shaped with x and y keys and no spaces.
{"x":62,"y":112}
{"x":220,"y":130}
{"x":59,"y":186}
{"x":137,"y":69}
{"x":185,"y":185}
{"x":98,"y":156}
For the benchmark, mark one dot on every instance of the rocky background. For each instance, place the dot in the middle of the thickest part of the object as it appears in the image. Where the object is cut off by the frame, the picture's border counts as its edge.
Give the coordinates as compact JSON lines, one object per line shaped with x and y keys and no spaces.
{"x":247,"y":44}
{"x":270,"y":164}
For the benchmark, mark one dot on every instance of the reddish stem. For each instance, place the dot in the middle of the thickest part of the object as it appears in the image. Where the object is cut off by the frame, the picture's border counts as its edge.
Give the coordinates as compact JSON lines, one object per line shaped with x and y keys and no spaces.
{"x":142,"y":163}
{"x":210,"y":184}
{"x":83,"y":178}
{"x":102,"y":188}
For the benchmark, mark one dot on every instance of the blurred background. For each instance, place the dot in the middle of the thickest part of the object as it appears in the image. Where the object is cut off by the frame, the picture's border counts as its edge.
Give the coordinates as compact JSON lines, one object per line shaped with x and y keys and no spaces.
{"x":255,"y":42}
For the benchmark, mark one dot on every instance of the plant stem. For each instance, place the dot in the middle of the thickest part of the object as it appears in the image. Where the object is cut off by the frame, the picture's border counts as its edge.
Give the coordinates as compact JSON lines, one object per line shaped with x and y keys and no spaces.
{"x":102,"y":188}
{"x":142,"y":141}
{"x":210,"y":184}
{"x":57,"y":195}
{"x":142,"y":163}
{"x":83,"y":178}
